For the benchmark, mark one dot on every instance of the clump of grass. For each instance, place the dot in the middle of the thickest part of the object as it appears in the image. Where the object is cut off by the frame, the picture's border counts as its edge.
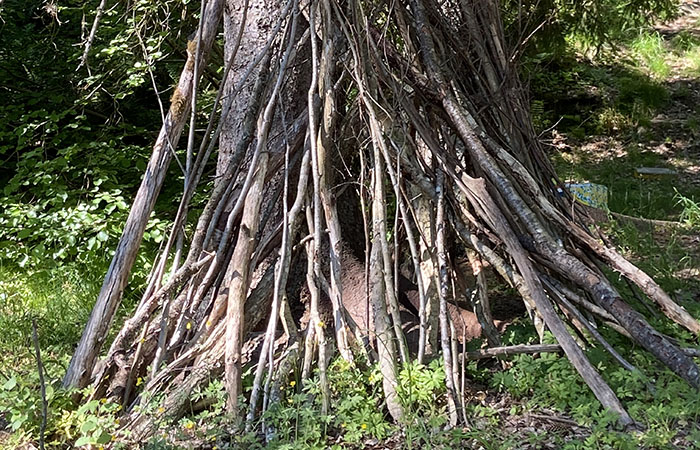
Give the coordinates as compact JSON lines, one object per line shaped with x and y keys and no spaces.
{"x":692,"y":58}
{"x":60,"y":299}
{"x":611,"y":120}
{"x":690,"y":215}
{"x":684,"y":41}
{"x":650,"y":52}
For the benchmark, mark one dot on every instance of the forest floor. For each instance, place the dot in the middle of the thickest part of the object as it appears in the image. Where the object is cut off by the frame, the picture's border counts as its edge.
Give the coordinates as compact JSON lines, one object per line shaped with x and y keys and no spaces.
{"x":642,"y":110}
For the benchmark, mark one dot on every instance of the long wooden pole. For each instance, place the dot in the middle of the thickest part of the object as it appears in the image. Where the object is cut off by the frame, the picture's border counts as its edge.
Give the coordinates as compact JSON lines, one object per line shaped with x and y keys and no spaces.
{"x":85,"y":356}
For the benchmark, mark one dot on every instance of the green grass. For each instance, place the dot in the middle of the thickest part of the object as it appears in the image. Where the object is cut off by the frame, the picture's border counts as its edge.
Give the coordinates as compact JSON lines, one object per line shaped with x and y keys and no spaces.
{"x":662,"y":257}
{"x":59,"y":299}
{"x":651,"y":199}
{"x":587,"y":98}
{"x":662,"y":254}
{"x":690,"y":215}
{"x":650,"y":52}
{"x":668,"y":408}
{"x":684,"y":41}
{"x":692,"y":56}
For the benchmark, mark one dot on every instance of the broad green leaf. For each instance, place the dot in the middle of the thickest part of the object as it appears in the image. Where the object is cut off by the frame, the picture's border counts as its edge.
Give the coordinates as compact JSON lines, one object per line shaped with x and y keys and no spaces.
{"x":88,"y":426}
{"x":10,"y":384}
{"x":101,"y":436}
{"x":85,"y":440}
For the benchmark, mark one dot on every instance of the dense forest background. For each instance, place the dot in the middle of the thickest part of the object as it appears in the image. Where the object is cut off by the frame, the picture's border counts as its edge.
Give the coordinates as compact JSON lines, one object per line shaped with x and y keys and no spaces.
{"x":612,"y":86}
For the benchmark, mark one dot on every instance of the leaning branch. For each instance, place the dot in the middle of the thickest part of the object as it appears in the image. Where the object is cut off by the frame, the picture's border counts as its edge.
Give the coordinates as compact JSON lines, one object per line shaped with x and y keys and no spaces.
{"x":98,"y":324}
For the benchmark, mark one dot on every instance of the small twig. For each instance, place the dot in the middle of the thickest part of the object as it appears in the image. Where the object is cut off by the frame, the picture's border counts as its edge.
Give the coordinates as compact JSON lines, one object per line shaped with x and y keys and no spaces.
{"x":641,"y":299}
{"x":42,"y":384}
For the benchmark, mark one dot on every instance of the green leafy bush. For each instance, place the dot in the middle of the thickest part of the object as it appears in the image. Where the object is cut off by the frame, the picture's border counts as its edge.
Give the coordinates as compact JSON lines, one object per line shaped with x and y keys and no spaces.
{"x":92,"y":423}
{"x":71,"y":154}
{"x":422,"y":390}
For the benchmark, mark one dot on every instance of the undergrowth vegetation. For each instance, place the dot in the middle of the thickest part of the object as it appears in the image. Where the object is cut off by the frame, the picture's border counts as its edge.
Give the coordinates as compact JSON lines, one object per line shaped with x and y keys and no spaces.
{"x":68,"y":175}
{"x":658,"y":400}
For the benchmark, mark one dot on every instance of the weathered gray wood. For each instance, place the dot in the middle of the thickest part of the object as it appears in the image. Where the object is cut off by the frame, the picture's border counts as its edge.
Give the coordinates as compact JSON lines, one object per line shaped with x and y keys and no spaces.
{"x":386,"y":349}
{"x":453,"y":401}
{"x":480,"y":301}
{"x":110,"y":296}
{"x":238,"y":288}
{"x":246,"y":244}
{"x":289,"y":221}
{"x":392,"y":301}
{"x":322,"y":126}
{"x":481,"y":200}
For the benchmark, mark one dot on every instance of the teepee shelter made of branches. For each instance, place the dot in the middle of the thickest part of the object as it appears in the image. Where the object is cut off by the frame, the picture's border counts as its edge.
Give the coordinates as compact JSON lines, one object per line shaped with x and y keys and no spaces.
{"x":395,"y":130}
